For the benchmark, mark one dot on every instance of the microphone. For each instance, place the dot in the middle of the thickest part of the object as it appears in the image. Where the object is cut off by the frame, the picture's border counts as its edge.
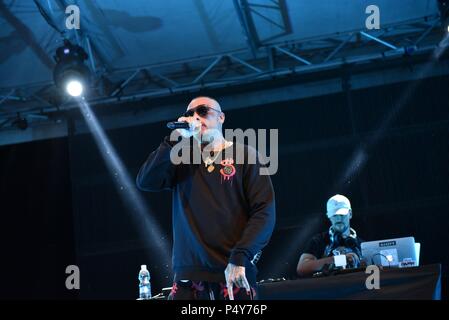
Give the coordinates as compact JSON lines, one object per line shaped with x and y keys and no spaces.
{"x":178,"y":125}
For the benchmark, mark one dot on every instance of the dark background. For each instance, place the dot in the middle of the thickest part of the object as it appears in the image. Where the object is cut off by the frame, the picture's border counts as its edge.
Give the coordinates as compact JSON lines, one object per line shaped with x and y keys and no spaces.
{"x":60,"y":205}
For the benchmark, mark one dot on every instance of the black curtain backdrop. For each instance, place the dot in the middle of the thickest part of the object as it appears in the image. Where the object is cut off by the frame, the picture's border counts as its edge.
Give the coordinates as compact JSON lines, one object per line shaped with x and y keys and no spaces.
{"x":36,"y":229}
{"x":395,"y":173}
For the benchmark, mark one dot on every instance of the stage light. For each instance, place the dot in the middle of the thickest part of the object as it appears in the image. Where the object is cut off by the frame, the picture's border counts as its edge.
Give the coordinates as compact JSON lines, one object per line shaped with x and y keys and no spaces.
{"x":20,"y":123}
{"x":409,"y":50}
{"x":70,"y":73}
{"x":74,"y":88}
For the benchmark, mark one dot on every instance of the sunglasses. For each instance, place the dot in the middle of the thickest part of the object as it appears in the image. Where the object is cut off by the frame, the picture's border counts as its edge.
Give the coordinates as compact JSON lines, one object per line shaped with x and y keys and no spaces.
{"x":201,"y":110}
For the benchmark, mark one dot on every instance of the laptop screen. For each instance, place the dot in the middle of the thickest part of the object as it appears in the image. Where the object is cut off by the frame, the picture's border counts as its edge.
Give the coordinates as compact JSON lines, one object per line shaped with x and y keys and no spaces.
{"x":398,"y":252}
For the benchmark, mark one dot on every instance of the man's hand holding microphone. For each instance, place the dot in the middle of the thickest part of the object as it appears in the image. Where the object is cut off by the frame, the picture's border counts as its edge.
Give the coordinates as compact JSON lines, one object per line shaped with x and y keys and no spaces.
{"x":194,"y":127}
{"x":186,"y":127}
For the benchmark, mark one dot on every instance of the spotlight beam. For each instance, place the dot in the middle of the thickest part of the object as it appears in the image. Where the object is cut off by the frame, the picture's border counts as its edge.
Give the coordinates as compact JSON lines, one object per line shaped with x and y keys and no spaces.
{"x":304,"y":232}
{"x":147,"y":226}
{"x":360,"y":156}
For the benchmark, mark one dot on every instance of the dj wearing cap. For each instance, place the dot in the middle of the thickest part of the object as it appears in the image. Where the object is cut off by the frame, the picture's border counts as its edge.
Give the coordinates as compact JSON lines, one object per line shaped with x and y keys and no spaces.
{"x":341,"y":239}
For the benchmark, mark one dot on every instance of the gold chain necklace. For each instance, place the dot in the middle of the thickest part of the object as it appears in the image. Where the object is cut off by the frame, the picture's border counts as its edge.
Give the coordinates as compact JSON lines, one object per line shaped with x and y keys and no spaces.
{"x":208,"y":162}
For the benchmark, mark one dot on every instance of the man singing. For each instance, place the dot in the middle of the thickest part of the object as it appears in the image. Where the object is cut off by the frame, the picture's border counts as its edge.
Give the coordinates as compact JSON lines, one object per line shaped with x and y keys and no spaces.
{"x":223,"y":211}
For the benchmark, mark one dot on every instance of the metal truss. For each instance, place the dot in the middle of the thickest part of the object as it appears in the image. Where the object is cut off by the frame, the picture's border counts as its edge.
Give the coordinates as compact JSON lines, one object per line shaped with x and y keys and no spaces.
{"x":234,"y":68}
{"x":252,"y":15}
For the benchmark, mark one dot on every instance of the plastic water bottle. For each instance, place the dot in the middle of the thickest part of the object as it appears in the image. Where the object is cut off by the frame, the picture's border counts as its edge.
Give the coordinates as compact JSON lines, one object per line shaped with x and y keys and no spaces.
{"x":144,"y":283}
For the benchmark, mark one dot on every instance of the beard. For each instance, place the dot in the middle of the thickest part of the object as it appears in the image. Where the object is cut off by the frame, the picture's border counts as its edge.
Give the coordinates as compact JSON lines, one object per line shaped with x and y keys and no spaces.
{"x":340,"y":228}
{"x":209,"y":135}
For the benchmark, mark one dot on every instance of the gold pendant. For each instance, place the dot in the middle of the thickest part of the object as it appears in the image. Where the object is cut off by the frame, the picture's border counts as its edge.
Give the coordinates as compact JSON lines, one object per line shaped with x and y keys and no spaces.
{"x":210,"y":168}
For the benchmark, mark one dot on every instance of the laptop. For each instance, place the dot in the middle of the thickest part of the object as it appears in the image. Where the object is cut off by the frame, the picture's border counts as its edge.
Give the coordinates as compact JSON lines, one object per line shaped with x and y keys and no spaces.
{"x":399,"y":252}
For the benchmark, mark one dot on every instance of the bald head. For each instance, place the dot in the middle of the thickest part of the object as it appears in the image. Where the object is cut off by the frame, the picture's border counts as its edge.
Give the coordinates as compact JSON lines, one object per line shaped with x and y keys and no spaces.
{"x":204,"y":101}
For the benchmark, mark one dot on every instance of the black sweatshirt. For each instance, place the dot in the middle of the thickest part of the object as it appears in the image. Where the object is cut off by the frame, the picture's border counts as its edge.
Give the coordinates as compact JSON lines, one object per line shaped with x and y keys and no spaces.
{"x":217,"y":217}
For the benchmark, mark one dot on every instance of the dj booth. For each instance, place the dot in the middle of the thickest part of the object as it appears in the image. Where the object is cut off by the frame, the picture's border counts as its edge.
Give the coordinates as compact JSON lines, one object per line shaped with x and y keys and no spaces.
{"x":423,"y":283}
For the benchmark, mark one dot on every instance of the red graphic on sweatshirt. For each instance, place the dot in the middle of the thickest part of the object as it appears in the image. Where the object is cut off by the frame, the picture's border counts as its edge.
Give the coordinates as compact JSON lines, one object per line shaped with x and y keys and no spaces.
{"x":228,"y":170}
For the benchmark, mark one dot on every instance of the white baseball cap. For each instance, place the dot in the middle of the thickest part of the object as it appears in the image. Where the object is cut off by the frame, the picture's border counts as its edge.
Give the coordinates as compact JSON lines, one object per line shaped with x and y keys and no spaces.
{"x":338,"y":205}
